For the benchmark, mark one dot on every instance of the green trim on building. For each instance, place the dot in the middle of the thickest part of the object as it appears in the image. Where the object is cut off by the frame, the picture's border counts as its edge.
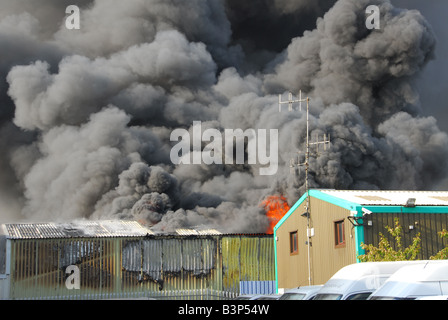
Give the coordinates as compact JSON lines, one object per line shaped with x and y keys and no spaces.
{"x":318,"y":194}
{"x":403,"y":209}
{"x":356,"y":209}
{"x":290,"y":211}
{"x":281,"y":221}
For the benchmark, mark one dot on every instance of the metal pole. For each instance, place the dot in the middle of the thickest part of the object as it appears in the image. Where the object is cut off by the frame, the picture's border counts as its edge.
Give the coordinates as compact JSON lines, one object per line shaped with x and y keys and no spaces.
{"x":308,"y":231}
{"x":306,"y":163}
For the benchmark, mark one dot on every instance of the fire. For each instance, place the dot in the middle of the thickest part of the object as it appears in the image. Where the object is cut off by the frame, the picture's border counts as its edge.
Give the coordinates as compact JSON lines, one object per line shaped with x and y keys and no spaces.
{"x":276,"y":207}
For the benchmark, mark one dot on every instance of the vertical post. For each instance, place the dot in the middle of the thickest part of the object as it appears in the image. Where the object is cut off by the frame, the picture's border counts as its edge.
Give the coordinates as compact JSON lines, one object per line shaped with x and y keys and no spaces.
{"x":117,"y":265}
{"x":6,"y":293}
{"x":306,"y":164}
{"x":359,"y":235}
{"x":308,"y":231}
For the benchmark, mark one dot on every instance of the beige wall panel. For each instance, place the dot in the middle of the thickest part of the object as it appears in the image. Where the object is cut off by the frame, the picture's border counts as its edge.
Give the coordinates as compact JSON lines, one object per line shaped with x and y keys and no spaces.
{"x":292,"y":269}
{"x":326,"y":258}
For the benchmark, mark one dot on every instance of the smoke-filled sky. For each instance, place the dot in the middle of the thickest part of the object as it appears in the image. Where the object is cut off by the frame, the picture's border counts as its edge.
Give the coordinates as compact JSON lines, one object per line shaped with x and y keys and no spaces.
{"x":86,"y":115}
{"x":433,"y":83}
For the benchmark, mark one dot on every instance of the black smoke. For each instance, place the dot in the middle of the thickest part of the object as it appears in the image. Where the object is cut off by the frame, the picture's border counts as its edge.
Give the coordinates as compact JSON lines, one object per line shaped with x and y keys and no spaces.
{"x":86,"y":115}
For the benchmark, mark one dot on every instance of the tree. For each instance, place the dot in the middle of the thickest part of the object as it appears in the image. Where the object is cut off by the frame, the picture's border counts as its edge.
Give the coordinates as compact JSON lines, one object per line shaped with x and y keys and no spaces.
{"x":386,"y":252}
{"x":442,"y":254}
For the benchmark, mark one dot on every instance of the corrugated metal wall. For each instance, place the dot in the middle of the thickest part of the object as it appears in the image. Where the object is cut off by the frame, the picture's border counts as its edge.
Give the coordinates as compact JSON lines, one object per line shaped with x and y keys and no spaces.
{"x":428,"y":224}
{"x":257,"y":287}
{"x":246,"y":259}
{"x":38,"y":267}
{"x":171,"y":267}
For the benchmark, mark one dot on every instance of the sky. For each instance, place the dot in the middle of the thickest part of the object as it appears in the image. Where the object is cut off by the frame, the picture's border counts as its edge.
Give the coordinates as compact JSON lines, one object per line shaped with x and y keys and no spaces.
{"x":434,"y":80}
{"x":87,"y":115}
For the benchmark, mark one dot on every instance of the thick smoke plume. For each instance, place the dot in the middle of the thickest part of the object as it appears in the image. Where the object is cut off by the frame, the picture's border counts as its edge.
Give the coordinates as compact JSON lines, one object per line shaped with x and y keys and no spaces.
{"x":86,"y":115}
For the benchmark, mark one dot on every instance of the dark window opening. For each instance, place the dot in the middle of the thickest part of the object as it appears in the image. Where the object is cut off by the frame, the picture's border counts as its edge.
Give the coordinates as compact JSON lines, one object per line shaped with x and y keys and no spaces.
{"x":293,"y":243}
{"x":339,"y":233}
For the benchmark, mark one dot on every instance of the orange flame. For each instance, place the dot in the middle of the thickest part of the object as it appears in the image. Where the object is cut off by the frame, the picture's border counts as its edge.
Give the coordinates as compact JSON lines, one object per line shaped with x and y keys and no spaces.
{"x":276,"y":207}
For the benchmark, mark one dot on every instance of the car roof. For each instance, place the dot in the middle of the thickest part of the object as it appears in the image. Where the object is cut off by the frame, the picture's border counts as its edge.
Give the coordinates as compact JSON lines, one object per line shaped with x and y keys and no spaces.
{"x":363,"y":277}
{"x":435,"y":270}
{"x":305,"y":289}
{"x":246,"y":296}
{"x":268,"y":297}
{"x":415,"y":280}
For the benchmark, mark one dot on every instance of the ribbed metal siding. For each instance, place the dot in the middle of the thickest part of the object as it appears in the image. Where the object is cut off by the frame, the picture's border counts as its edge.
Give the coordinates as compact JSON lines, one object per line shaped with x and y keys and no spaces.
{"x":428,"y":224}
{"x":193,"y":267}
{"x":247,"y":259}
{"x":173,"y":267}
{"x":152,"y":259}
{"x":39,"y":268}
{"x":172,"y":251}
{"x":257,"y":287}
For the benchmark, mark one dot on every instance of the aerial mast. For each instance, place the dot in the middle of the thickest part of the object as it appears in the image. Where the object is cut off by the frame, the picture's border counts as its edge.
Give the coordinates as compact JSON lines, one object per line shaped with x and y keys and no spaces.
{"x":325,"y":142}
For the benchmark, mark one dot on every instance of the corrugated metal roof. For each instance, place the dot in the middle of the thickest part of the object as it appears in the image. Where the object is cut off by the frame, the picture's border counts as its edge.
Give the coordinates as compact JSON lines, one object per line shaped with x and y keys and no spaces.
{"x":393,"y":198}
{"x":198,"y":232}
{"x":76,"y":229}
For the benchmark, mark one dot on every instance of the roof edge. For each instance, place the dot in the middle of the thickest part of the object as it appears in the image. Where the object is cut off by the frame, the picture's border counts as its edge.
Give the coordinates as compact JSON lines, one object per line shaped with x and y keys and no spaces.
{"x":318,"y":194}
{"x":349,"y":205}
{"x":290,"y":211}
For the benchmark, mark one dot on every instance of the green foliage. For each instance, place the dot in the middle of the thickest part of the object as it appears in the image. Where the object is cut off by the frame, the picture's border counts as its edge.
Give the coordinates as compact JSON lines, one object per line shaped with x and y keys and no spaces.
{"x":386,"y":252}
{"x":442,"y":254}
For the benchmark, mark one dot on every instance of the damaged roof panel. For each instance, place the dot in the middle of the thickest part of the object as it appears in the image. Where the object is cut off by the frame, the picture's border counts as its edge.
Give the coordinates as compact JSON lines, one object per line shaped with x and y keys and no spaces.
{"x":76,"y":229}
{"x":197,"y":232}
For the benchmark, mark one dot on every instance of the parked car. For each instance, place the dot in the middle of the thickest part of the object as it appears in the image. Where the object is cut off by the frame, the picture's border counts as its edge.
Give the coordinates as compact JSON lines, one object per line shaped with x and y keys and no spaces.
{"x":359,"y":280}
{"x":268,"y":297}
{"x":248,"y":297}
{"x":258,"y":297}
{"x":301,"y":293}
{"x":416,"y":281}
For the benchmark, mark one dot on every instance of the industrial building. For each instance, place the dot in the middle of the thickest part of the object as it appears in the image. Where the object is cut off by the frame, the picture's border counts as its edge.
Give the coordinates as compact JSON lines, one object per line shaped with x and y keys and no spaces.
{"x":336,"y":222}
{"x":123,"y":259}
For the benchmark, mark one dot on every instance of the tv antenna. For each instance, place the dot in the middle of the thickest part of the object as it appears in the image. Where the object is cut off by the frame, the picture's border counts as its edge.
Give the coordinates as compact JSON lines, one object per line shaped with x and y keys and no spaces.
{"x":325,"y":142}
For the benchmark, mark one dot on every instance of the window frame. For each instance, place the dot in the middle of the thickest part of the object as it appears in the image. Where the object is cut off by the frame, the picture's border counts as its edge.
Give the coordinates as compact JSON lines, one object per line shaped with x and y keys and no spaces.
{"x":339,"y":225}
{"x":293,"y":243}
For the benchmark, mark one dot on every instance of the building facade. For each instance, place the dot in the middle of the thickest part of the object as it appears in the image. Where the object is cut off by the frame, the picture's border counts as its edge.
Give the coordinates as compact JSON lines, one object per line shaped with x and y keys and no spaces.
{"x":119,"y":259}
{"x":336,"y":222}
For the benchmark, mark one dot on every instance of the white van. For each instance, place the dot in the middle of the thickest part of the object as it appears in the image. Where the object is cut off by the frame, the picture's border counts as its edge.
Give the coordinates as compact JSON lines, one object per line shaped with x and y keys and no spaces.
{"x":433,"y":298}
{"x":411,"y":282}
{"x":359,"y":280}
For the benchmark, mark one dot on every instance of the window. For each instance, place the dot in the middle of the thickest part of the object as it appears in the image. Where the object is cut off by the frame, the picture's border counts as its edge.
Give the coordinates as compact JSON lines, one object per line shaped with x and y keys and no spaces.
{"x":293,"y":243}
{"x":339,"y":234}
{"x":359,"y":296}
